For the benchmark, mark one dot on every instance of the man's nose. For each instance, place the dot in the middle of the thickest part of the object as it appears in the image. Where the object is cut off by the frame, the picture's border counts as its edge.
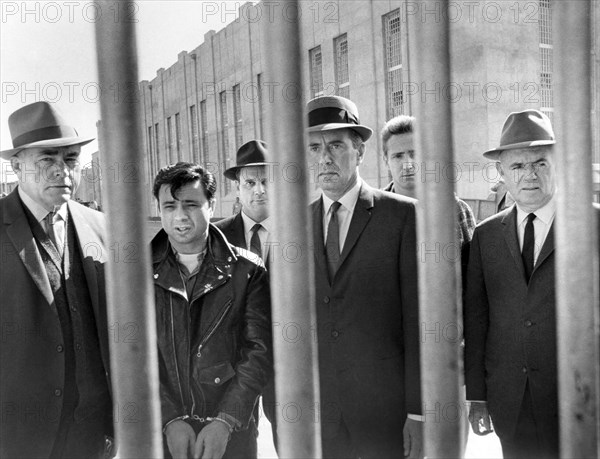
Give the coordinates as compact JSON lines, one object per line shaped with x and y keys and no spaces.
{"x":180,"y":214}
{"x":59,"y":169}
{"x":260,"y":188}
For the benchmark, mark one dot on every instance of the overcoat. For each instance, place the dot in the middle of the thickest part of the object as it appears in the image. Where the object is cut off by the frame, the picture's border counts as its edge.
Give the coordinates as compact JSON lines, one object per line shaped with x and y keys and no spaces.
{"x":33,"y":364}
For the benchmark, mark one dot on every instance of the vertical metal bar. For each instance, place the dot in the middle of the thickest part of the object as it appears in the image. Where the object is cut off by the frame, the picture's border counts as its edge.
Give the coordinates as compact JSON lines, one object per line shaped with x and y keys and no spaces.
{"x":438,"y":249}
{"x":131,"y":313}
{"x":292,"y":276}
{"x":576,"y":234}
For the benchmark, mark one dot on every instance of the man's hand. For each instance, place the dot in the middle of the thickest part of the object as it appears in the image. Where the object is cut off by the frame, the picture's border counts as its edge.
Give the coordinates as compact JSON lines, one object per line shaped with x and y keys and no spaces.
{"x":180,"y":439}
{"x":479,"y":417}
{"x":212,"y":441}
{"x":413,"y":439}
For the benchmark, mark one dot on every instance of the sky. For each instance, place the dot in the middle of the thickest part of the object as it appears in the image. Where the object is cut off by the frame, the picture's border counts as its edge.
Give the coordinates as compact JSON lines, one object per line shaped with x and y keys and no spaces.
{"x":47,"y":52}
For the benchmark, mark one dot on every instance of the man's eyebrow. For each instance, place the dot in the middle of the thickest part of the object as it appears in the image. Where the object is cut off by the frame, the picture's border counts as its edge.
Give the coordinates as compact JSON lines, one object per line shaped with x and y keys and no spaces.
{"x":49,"y":152}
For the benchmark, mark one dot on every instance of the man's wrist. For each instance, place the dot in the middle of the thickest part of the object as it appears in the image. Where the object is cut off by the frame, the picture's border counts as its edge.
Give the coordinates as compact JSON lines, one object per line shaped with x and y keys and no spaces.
{"x":416,"y":417}
{"x":179,"y":418}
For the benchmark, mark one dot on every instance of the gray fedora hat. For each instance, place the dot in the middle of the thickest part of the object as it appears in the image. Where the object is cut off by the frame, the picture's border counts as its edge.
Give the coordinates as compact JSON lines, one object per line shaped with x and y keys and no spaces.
{"x":335,"y":112}
{"x":40,"y":125}
{"x":529,"y":128}
{"x":252,"y":153}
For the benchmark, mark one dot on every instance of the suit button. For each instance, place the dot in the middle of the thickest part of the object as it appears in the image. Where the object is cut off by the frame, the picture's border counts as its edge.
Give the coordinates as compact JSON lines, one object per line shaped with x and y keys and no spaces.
{"x":326,"y":300}
{"x":528,"y":323}
{"x":59,"y":348}
{"x":58,"y":392}
{"x":217,"y":380}
{"x":524,"y":369}
{"x":335,"y":333}
{"x":78,"y":346}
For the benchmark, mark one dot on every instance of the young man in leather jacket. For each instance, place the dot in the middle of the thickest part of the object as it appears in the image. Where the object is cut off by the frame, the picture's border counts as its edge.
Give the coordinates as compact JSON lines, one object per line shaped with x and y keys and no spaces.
{"x":213,"y":323}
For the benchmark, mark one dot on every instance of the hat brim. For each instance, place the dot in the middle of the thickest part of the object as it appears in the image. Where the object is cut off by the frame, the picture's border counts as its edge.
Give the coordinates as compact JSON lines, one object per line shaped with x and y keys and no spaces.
{"x":496,"y":152}
{"x":364,"y":131}
{"x":50,"y":143}
{"x":231,"y":173}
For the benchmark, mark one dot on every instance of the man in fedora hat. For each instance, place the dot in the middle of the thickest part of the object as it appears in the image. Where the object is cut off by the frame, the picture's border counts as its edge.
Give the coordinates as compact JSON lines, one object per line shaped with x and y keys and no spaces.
{"x":366,"y":292}
{"x":510,"y":330}
{"x":54,"y":387}
{"x":250,"y":228}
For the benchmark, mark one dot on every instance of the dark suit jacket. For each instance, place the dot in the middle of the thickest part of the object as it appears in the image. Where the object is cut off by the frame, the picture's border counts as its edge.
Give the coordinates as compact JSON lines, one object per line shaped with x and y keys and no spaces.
{"x":368,"y":329}
{"x":233,"y":229}
{"x":33,"y":368}
{"x":510,"y":326}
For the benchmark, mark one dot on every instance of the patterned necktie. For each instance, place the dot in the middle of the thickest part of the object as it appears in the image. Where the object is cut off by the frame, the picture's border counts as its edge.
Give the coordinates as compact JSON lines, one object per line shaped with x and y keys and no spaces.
{"x":528,"y":247}
{"x":255,"y":245}
{"x":332,"y":244}
{"x":55,"y":233}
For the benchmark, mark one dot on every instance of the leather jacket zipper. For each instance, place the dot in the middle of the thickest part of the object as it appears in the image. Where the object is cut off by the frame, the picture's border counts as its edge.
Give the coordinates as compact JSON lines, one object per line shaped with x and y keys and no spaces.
{"x":213,"y":327}
{"x":173,"y":343}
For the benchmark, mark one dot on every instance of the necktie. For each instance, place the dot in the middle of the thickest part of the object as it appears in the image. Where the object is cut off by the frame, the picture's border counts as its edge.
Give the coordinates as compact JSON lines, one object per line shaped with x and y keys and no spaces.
{"x":528,"y":247}
{"x":255,"y":245}
{"x":55,"y":231}
{"x":332,"y":244}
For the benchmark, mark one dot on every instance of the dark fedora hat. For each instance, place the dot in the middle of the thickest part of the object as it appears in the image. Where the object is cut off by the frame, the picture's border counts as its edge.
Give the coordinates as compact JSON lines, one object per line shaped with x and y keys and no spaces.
{"x":529,"y":128}
{"x":335,"y":112}
{"x":252,"y":153}
{"x":40,"y":125}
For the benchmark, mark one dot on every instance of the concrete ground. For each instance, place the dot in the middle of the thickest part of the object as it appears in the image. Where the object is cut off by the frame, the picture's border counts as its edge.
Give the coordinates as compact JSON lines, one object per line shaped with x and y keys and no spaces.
{"x":487,"y":447}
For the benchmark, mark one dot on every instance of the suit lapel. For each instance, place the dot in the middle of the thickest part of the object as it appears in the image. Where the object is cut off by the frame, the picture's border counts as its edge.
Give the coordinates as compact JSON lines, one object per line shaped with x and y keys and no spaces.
{"x":20,"y":234}
{"x":318,"y":235}
{"x":91,"y":249}
{"x":510,"y":236}
{"x":547,"y":248}
{"x":360,"y":218}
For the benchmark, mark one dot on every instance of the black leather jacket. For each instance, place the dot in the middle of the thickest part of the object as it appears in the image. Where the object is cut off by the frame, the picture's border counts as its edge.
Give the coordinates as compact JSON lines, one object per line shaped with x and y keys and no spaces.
{"x":222,"y":364}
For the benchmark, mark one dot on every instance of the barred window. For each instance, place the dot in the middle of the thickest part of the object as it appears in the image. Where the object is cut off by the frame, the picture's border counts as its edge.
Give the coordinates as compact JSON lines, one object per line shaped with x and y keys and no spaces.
{"x":170,"y":140}
{"x":393,"y":64}
{"x":224,"y":138}
{"x":204,"y":128}
{"x":546,"y":59}
{"x":237,"y":116}
{"x":342,"y":78}
{"x":316,"y":72}
{"x":151,"y":151}
{"x":157,"y":146}
{"x":195,"y":137}
{"x":178,"y":135}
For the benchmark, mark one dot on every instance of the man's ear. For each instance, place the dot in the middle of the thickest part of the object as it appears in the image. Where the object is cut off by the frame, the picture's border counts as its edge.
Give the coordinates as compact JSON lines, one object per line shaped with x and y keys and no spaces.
{"x":361,"y":153}
{"x":499,"y":169}
{"x":211,"y":206}
{"x":15,"y":163}
{"x":237,"y":184}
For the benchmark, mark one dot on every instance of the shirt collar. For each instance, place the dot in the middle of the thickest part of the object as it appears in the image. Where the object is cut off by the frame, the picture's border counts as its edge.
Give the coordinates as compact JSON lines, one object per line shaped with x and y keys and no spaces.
{"x":249,"y":223}
{"x":348,"y":200}
{"x":545,"y":213}
{"x":39,"y":211}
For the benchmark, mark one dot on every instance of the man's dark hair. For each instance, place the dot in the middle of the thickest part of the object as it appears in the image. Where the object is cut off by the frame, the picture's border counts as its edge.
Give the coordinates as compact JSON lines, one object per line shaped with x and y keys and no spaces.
{"x":402,"y":124}
{"x":181,"y":174}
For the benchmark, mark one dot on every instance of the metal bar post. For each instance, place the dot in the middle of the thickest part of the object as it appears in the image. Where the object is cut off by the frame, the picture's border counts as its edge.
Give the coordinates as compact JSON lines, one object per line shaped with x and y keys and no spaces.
{"x":576,"y":234}
{"x":131,"y":313}
{"x":438,"y":249}
{"x":292,"y":273}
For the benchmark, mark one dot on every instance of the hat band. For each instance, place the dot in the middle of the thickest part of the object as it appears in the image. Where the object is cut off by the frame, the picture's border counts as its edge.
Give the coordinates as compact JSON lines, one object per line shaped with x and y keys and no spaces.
{"x":328,"y":115}
{"x":47,"y":133}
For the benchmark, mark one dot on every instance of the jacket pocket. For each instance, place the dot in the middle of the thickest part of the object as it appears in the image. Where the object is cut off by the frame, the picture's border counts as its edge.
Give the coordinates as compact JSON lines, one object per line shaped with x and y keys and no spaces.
{"x":217,"y":375}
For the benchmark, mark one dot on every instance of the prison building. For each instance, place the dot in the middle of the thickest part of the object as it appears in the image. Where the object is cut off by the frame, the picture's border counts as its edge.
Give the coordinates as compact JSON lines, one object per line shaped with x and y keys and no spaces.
{"x":214,"y":98}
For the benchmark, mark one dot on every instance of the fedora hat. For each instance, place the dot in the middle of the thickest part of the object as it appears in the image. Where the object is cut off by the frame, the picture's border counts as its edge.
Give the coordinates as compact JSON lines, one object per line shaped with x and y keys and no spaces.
{"x":529,"y":128}
{"x":252,"y":153}
{"x":40,"y":125}
{"x":335,"y":112}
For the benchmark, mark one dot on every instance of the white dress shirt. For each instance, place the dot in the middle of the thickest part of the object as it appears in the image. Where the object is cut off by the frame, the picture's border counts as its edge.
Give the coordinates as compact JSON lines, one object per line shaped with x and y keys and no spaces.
{"x":39,"y":213}
{"x":542,"y":223}
{"x":263,"y":233}
{"x":344,"y":213}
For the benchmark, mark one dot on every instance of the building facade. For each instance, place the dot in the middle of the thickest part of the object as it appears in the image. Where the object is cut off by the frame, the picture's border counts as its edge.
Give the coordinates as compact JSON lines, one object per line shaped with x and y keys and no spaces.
{"x":214,"y":98}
